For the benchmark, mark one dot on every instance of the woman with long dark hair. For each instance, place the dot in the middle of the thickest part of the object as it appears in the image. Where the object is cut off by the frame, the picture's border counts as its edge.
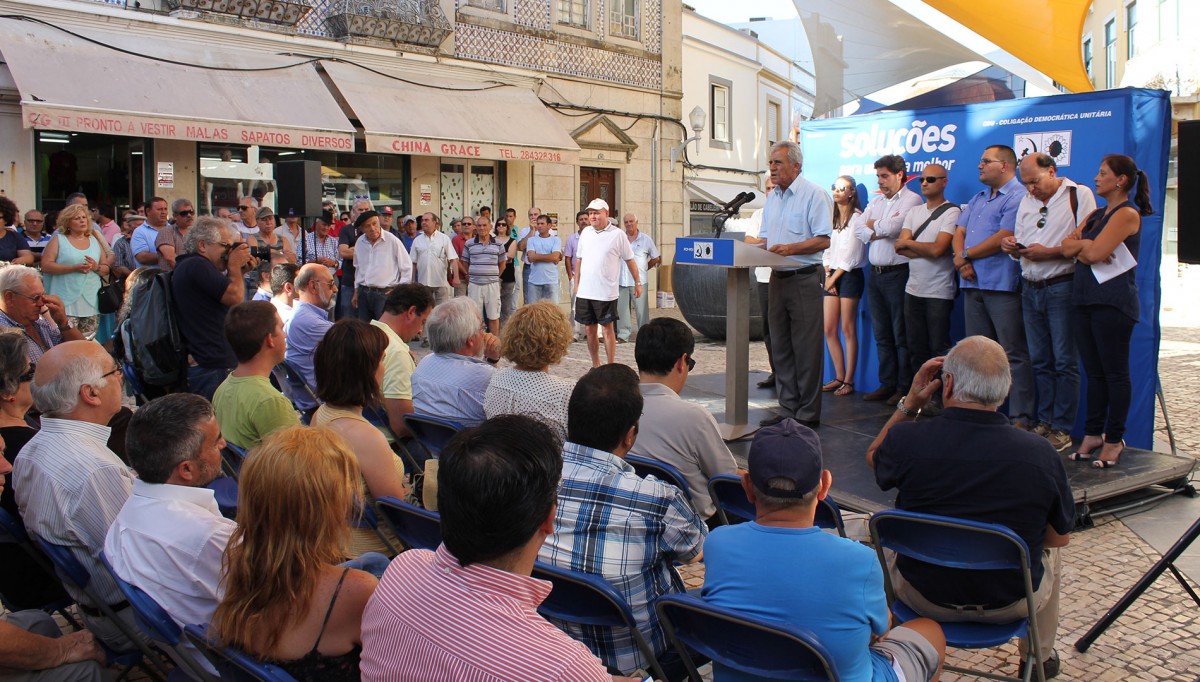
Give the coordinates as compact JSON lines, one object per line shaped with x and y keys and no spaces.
{"x":844,"y":284}
{"x":1105,"y":312}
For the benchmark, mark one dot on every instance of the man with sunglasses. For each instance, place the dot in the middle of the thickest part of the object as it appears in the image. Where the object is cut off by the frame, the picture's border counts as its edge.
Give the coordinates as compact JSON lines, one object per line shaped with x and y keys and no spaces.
{"x":466,"y":231}
{"x":247,"y":216}
{"x":145,"y":236}
{"x":207,"y":282}
{"x":171,"y":239}
{"x":932,"y":285}
{"x":989,"y":278}
{"x":879,"y":226}
{"x":1050,"y":211}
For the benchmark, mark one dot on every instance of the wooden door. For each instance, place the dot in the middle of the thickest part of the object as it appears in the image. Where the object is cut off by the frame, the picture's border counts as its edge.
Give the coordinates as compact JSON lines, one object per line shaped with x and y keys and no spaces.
{"x":598,"y":183}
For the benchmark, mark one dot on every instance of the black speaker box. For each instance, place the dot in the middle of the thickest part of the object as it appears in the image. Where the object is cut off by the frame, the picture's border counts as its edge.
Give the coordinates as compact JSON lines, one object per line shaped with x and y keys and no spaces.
{"x":299,"y":188}
{"x":1189,"y":199}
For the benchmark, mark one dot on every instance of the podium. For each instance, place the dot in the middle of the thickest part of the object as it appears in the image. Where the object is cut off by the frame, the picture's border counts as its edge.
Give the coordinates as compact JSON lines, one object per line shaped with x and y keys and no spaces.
{"x":738,"y":258}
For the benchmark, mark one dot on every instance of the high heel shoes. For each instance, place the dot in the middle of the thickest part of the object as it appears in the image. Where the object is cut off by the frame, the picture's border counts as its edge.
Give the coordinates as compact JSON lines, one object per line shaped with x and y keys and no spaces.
{"x":1099,"y":463}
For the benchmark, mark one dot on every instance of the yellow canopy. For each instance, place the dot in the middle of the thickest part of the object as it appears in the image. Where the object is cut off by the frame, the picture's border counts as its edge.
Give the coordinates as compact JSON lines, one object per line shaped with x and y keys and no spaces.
{"x":1044,"y":34}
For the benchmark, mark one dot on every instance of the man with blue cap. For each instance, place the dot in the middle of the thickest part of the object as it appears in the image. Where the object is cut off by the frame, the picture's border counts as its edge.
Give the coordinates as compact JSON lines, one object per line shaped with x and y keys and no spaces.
{"x":781,"y":566}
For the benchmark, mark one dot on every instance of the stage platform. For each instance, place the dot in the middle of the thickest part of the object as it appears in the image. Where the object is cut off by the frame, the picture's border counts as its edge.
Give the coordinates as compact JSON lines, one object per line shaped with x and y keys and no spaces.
{"x":849,"y":424}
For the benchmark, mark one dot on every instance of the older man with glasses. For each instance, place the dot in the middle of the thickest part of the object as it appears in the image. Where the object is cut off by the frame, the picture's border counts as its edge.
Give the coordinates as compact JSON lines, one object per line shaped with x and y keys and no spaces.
{"x":25,"y":305}
{"x":171,"y":239}
{"x":464,"y":233}
{"x":247,"y":220}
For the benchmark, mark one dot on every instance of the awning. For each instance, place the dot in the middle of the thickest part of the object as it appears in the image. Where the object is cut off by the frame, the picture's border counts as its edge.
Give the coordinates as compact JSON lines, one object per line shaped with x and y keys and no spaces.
{"x":720,"y":193}
{"x":67,"y":83}
{"x":451,"y":118}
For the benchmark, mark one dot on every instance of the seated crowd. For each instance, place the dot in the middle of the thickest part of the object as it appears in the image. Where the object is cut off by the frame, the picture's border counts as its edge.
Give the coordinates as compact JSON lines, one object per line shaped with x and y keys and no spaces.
{"x":304,"y":577}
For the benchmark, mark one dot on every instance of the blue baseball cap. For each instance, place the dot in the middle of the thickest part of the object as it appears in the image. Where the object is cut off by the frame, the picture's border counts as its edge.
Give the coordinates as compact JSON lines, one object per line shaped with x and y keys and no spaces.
{"x":789,"y":451}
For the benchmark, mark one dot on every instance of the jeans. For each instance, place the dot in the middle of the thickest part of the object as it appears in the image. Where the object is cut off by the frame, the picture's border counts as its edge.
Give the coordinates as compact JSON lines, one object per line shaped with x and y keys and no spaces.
{"x":371,"y":562}
{"x":526,"y":294}
{"x":508,"y":300}
{"x":203,"y":381}
{"x":370,"y":304}
{"x":344,"y":293}
{"x":543,"y":292}
{"x":997,"y":315}
{"x":926,"y":328}
{"x":885,"y":300}
{"x":1103,"y":334}
{"x":1052,"y":352}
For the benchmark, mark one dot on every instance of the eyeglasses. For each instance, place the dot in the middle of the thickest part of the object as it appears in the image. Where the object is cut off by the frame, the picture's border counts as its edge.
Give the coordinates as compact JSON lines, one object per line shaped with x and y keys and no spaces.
{"x":245,"y":208}
{"x":1044,"y":211}
{"x":691,"y":363}
{"x":930,"y":179}
{"x":34,"y":222}
{"x":835,"y":188}
{"x":28,"y":375}
{"x":183,"y":213}
{"x":985,"y":161}
{"x":35,"y":297}
{"x":114,"y":370}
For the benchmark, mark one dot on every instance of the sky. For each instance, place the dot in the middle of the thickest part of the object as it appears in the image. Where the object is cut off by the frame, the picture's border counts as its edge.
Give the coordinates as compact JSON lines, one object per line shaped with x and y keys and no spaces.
{"x":729,"y":12}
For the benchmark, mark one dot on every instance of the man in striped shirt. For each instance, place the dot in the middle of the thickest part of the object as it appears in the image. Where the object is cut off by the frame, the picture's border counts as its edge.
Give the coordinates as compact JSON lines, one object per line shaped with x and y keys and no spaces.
{"x":468,"y":612}
{"x":482,"y":261}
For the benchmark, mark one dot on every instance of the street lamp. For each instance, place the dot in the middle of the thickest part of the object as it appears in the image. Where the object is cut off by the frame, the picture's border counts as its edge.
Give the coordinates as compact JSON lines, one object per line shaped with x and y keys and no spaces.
{"x":696,"y":118}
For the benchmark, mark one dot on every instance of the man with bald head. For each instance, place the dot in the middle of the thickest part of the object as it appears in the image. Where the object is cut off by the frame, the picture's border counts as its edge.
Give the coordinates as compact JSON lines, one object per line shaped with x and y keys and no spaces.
{"x":69,"y":485}
{"x":316,"y":289}
{"x":646,"y":255}
{"x":970,"y":464}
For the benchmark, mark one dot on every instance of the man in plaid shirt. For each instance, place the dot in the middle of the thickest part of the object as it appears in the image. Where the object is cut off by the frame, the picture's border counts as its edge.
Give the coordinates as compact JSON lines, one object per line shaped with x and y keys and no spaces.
{"x":611,"y":522}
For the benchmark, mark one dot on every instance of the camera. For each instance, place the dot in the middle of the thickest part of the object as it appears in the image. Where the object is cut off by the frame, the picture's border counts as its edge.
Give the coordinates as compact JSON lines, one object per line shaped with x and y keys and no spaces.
{"x":260,"y":252}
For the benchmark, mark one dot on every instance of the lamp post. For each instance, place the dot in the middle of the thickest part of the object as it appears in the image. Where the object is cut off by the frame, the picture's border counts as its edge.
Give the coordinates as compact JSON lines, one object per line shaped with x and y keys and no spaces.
{"x":696,"y":118}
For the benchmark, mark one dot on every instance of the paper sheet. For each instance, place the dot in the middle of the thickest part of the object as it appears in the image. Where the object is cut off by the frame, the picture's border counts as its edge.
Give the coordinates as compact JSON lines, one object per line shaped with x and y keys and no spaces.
{"x":1121,"y":261}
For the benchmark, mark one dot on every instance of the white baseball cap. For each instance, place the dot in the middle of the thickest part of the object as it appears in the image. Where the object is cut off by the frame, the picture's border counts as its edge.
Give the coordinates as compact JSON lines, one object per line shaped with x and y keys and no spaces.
{"x":598,"y":205}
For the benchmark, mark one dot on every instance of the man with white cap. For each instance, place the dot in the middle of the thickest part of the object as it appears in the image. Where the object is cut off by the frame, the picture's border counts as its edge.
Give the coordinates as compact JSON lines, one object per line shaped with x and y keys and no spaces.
{"x":781,"y":566}
{"x":602,"y":249}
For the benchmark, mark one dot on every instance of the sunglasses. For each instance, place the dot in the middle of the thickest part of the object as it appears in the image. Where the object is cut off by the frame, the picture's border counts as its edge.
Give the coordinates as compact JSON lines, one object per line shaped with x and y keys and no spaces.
{"x":691,"y":363}
{"x":183,"y":213}
{"x":28,"y":375}
{"x":930,"y":179}
{"x":245,"y":208}
{"x":1044,"y":211}
{"x":835,"y":188}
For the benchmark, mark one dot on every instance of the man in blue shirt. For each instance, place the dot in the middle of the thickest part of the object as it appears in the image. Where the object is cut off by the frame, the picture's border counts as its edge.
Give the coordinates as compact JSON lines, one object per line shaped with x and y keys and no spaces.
{"x":992,"y":306}
{"x":146,"y":234}
{"x":798,"y":219}
{"x":316,"y":289}
{"x":544,"y":251}
{"x":781,"y":566}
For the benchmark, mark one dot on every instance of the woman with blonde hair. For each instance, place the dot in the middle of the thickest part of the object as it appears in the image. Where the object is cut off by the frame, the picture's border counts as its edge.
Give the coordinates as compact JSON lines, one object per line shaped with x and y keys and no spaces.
{"x":536,"y":336}
{"x":286,"y":599}
{"x":73,"y":264}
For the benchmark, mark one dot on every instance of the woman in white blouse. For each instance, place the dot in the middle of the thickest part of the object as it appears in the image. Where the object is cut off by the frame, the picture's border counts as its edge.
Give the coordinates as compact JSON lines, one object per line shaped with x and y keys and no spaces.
{"x":844,"y":284}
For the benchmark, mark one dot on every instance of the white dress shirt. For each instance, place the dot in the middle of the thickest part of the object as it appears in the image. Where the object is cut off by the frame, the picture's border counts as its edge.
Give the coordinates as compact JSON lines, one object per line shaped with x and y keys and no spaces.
{"x":69,"y":487}
{"x":168,"y":540}
{"x":888,"y":215}
{"x":1059,"y":224}
{"x":383,"y":264}
{"x":845,"y":251}
{"x":432,"y":256}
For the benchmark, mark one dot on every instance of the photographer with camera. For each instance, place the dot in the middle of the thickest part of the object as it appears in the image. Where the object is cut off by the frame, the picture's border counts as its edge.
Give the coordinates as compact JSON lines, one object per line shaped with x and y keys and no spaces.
{"x":207,"y":281}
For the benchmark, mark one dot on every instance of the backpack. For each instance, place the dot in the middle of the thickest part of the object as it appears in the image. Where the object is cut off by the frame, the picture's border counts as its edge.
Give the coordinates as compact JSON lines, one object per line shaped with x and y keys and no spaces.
{"x":153,"y":343}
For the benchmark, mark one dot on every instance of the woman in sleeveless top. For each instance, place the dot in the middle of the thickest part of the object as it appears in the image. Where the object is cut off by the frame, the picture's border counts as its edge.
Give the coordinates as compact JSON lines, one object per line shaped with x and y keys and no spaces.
{"x":286,"y":600}
{"x":72,"y":265}
{"x":1105,"y":313}
{"x":844,"y":284}
{"x":349,"y":372}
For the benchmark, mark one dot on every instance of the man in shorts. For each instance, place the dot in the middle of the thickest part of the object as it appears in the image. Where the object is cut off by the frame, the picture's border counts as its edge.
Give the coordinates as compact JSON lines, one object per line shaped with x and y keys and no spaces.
{"x":783,"y":567}
{"x":602,"y":249}
{"x":483,"y":260}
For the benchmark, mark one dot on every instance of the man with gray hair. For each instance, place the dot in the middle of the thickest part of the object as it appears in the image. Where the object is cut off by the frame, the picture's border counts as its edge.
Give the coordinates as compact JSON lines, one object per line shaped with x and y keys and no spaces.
{"x":970,"y":464}
{"x":646,"y":255}
{"x":206,"y":283}
{"x":172,"y":238}
{"x":797,"y":220}
{"x":247,"y":220}
{"x":451,"y":382}
{"x":169,"y":536}
{"x":347,"y":238}
{"x":69,"y":485}
{"x":25,"y":305}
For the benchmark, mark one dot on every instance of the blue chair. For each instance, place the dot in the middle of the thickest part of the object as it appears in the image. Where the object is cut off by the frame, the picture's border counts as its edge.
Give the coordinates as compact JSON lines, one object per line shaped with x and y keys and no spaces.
{"x":750,"y":644}
{"x":158,"y":625}
{"x":969,"y":546}
{"x":369,"y":519}
{"x":296,"y":389}
{"x":12,"y":531}
{"x":727,"y":492}
{"x":431,"y":432}
{"x":73,"y":572}
{"x":132,"y":382}
{"x":225,"y":489}
{"x":644,"y":466}
{"x":234,"y":664}
{"x":417,"y":528}
{"x":586,"y":599}
{"x":232,"y":458}
{"x":734,"y":507}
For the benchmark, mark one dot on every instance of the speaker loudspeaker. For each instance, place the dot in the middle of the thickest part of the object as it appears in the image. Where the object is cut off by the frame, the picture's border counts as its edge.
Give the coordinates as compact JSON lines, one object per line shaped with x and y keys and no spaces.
{"x":1189,"y":200}
{"x":298,"y":185}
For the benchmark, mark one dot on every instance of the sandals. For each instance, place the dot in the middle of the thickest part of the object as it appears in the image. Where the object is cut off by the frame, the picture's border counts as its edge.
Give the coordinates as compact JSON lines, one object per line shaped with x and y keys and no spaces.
{"x":833,"y":385}
{"x":1081,"y":456}
{"x":1109,"y":463}
{"x":845,"y":389}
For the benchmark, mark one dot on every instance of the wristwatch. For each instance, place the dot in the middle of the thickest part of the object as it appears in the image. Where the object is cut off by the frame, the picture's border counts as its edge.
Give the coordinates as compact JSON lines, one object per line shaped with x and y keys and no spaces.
{"x":965,"y":256}
{"x":905,"y":410}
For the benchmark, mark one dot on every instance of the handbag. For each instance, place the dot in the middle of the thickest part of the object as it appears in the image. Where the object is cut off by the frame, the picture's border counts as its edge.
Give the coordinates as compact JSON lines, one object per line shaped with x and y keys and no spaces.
{"x":110,"y":296}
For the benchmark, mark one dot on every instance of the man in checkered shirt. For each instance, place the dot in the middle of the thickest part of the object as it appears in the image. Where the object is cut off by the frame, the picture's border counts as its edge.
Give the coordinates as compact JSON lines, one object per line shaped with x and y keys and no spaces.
{"x":613,"y":523}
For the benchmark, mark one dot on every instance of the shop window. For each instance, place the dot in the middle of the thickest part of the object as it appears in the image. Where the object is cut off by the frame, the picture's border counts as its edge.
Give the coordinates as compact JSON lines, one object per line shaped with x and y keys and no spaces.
{"x":106,"y":168}
{"x":623,"y":19}
{"x":466,"y":189}
{"x":572,"y":12}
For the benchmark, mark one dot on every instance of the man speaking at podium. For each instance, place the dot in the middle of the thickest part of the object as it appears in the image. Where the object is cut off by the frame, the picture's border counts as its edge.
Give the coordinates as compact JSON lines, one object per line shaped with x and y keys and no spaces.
{"x":797,"y":221}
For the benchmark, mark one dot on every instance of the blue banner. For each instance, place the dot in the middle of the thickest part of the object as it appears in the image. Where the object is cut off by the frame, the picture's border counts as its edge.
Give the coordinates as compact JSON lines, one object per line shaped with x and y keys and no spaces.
{"x":1077,"y":130}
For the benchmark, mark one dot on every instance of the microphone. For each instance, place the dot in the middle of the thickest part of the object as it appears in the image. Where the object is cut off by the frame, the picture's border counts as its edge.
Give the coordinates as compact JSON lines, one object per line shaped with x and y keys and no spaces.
{"x":737,"y":202}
